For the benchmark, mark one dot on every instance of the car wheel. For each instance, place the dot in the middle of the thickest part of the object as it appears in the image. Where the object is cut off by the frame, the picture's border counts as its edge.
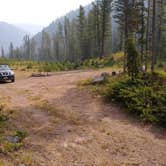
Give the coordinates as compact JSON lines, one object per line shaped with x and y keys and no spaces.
{"x":13,"y":80}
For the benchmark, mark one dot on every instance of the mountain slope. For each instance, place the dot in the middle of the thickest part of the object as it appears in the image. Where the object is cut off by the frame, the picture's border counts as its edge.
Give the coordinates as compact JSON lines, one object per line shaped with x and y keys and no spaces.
{"x":10,"y":33}
{"x":51,"y":29}
{"x":31,"y":28}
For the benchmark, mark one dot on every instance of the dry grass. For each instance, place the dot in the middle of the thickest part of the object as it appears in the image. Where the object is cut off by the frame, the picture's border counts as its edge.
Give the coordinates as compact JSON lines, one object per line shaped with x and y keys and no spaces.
{"x":68,"y":126}
{"x":68,"y":116}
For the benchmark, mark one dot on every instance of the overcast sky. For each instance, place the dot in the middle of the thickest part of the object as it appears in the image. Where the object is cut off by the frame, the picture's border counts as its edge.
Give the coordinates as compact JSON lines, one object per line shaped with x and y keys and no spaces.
{"x":40,"y":12}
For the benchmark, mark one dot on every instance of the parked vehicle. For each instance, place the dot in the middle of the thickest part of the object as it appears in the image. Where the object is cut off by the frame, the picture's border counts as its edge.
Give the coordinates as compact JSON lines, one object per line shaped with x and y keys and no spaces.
{"x":6,"y":74}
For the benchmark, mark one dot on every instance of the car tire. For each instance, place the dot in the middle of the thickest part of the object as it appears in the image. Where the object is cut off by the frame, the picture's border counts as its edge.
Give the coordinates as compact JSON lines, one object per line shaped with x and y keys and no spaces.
{"x":13,"y":80}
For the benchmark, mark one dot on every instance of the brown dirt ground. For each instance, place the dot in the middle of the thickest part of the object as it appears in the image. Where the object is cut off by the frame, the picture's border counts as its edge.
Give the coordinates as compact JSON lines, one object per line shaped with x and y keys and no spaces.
{"x":69,"y":126}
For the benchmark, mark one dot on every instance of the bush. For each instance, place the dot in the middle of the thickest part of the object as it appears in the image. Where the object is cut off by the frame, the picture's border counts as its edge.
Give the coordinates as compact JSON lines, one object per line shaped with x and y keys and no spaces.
{"x":20,"y":134}
{"x":144,"y":98}
{"x":11,"y":147}
{"x":160,"y":65}
{"x":29,"y":66}
{"x":133,"y":59}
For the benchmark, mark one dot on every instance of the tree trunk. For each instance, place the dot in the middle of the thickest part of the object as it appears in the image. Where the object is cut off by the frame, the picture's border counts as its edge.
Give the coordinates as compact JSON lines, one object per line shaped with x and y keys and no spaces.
{"x":147,"y":37}
{"x":142,"y":32}
{"x":126,"y":35}
{"x":153,"y":36}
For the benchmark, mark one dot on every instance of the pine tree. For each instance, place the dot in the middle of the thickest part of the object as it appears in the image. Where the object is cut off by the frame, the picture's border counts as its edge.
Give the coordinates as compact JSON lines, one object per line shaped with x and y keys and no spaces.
{"x":66,"y":37}
{"x":11,"y":51}
{"x":17,"y":54}
{"x":96,"y":28}
{"x":2,"y":52}
{"x":133,"y":59}
{"x":147,"y":35}
{"x":32,"y":49}
{"x":45,"y":46}
{"x":105,"y":23}
{"x":154,"y":45}
{"x":27,"y":47}
{"x":162,"y":29}
{"x":81,"y":32}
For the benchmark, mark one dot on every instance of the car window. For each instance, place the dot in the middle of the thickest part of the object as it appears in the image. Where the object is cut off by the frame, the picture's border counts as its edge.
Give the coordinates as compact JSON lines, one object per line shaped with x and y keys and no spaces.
{"x":4,"y":67}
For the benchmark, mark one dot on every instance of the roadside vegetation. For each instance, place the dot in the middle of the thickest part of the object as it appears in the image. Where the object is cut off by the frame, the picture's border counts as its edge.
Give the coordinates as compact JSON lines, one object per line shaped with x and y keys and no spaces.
{"x":93,"y":63}
{"x":144,"y":97}
{"x":141,"y":93}
{"x":10,"y":139}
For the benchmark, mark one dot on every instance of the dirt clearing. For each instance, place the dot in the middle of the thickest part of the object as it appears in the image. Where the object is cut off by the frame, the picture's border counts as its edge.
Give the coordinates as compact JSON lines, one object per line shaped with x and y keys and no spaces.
{"x":68,"y":126}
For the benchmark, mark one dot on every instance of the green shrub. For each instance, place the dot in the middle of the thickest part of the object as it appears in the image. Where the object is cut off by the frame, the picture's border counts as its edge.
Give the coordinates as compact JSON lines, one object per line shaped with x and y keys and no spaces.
{"x":160,"y":65}
{"x":21,"y":134}
{"x":133,"y":59}
{"x":10,"y":147}
{"x":29,"y":66}
{"x":142,"y":97}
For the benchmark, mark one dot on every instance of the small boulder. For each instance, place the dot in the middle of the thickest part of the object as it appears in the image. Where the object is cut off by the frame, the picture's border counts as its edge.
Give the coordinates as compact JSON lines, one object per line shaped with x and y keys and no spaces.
{"x":98,"y":80}
{"x":113,"y":73}
{"x":13,"y":139}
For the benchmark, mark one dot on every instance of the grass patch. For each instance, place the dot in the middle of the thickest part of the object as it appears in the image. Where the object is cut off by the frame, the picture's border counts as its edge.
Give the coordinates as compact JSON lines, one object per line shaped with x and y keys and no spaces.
{"x":10,"y":147}
{"x":61,"y":115}
{"x":10,"y":141}
{"x":93,"y":63}
{"x":4,"y":116}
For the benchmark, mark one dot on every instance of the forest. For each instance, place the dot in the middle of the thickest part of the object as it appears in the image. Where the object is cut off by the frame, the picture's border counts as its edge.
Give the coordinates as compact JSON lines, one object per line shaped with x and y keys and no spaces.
{"x":90,"y":89}
{"x":89,"y":35}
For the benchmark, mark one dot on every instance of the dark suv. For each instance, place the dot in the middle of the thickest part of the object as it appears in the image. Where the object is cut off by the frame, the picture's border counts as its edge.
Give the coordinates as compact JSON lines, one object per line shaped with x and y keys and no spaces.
{"x":6,"y":74}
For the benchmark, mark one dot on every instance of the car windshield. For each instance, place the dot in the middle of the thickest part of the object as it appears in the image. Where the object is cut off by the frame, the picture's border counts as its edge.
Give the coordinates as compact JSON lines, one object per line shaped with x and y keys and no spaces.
{"x":4,"y":67}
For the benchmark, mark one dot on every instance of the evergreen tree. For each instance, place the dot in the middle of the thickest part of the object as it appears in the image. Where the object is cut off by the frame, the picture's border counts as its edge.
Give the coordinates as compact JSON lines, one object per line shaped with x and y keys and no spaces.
{"x":81,"y":32}
{"x":17,"y":54}
{"x":45,"y":46}
{"x":27,"y":47}
{"x":32,"y":49}
{"x":2,"y":52}
{"x":11,"y":51}
{"x":162,"y":29}
{"x":133,"y":59}
{"x":147,"y":35}
{"x":105,"y":23}
{"x":154,"y":44}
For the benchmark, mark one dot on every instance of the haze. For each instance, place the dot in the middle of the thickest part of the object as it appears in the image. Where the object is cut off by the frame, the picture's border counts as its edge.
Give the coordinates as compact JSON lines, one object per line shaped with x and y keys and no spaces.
{"x":37,"y":11}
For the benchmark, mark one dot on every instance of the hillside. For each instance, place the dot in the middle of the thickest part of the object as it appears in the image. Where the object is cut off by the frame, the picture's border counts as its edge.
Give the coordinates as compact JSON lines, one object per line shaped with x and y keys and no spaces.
{"x":31,"y":28}
{"x":52,"y":27}
{"x":10,"y":33}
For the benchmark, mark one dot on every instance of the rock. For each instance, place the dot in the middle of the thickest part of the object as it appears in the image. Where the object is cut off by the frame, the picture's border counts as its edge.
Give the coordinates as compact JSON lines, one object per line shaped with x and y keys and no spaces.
{"x":113,"y":73}
{"x":13,"y":139}
{"x":40,"y":74}
{"x":98,"y":79}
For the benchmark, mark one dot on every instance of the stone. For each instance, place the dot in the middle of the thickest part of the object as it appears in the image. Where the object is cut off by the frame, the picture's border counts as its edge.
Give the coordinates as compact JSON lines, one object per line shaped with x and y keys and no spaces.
{"x":13,"y":139}
{"x":113,"y":73}
{"x":98,"y":79}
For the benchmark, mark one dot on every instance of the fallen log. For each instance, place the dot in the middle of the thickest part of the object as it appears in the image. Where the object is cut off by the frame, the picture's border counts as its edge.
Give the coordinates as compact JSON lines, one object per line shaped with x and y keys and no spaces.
{"x":40,"y":75}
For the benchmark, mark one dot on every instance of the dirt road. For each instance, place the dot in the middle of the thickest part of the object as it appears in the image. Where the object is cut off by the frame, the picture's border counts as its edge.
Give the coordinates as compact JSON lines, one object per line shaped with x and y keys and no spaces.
{"x":68,"y":126}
